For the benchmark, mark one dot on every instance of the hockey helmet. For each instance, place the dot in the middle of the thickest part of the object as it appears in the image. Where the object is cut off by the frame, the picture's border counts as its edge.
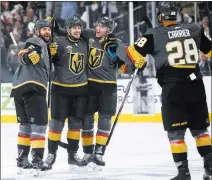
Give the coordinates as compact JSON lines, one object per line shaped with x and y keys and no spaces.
{"x":41,"y":23}
{"x":107,"y":22}
{"x":74,"y":21}
{"x":167,"y":10}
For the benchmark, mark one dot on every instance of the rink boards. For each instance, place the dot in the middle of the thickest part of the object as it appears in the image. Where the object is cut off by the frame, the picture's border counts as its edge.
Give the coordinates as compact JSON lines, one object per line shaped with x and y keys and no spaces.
{"x":147,"y":96}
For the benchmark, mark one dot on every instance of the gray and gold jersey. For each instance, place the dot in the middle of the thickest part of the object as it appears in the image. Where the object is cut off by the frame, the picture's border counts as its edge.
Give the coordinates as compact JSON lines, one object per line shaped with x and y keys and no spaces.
{"x":101,"y":67}
{"x":176,"y":46}
{"x":33,"y":77}
{"x":70,"y":64}
{"x":175,"y":50}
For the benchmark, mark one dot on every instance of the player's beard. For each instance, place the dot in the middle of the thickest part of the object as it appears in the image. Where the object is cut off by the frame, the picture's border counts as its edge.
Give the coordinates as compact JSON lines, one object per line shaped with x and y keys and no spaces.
{"x":74,"y":37}
{"x":46,"y":37}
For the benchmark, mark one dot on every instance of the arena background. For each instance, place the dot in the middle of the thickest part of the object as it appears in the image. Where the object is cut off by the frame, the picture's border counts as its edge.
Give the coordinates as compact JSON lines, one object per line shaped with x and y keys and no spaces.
{"x":144,"y":101}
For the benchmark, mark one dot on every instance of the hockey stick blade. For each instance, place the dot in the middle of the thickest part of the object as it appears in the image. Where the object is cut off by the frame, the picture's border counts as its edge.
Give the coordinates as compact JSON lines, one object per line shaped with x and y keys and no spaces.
{"x":63,"y":145}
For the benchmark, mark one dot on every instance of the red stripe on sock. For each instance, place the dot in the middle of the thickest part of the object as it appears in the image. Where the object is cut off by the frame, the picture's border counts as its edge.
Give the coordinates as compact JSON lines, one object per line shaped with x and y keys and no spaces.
{"x":202,"y":136}
{"x":86,"y":136}
{"x":177,"y":142}
{"x":104,"y":135}
{"x":22,"y":136}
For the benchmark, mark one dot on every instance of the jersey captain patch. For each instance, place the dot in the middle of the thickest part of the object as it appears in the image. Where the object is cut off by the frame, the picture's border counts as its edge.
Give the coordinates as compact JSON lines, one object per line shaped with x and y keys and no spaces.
{"x":76,"y":62}
{"x":95,"y":57}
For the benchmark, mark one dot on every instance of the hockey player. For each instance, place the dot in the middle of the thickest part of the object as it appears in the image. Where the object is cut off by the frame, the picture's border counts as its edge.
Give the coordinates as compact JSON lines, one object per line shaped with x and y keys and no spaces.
{"x":68,"y":93}
{"x":102,"y":87}
{"x":29,"y":92}
{"x":175,"y":50}
{"x":102,"y":96}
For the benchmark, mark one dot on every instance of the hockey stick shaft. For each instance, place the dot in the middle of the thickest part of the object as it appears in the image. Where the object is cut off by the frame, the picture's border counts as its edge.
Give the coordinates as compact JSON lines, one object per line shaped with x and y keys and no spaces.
{"x":14,"y":41}
{"x":50,"y":63}
{"x":121,"y":107}
{"x":149,"y":25}
{"x":148,"y":22}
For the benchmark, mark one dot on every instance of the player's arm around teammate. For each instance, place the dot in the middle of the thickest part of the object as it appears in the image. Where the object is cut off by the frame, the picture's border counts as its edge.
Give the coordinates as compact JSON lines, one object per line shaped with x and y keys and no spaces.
{"x":102,"y":85}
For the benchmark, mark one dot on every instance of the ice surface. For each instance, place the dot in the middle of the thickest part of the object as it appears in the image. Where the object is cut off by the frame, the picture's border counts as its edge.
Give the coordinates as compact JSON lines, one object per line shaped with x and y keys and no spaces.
{"x":138,"y":151}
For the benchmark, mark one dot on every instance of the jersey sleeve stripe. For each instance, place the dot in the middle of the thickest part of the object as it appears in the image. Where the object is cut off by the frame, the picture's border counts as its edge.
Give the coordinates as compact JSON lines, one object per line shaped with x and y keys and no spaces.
{"x":209,"y":54}
{"x":133,"y":54}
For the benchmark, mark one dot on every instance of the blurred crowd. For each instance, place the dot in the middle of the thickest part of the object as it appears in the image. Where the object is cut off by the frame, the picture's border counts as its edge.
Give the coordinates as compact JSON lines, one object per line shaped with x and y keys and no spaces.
{"x":19,"y":18}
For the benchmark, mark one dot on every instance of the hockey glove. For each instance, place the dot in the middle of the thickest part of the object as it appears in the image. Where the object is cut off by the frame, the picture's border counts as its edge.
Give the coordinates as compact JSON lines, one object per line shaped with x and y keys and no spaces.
{"x":53,"y":48}
{"x":109,"y":44}
{"x":34,"y":57}
{"x":137,"y":59}
{"x":28,"y":57}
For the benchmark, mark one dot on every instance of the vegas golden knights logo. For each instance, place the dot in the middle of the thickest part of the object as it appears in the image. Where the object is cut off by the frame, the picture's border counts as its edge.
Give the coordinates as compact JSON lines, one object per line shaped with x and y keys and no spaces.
{"x":76,"y":62}
{"x":95,"y":57}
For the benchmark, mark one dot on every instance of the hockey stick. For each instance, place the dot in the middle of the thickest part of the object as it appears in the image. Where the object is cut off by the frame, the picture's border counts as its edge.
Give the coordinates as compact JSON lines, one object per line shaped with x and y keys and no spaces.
{"x":147,"y":22}
{"x":50,"y":59}
{"x":122,"y":105}
{"x":65,"y":145}
{"x":14,"y":41}
{"x":149,"y":25}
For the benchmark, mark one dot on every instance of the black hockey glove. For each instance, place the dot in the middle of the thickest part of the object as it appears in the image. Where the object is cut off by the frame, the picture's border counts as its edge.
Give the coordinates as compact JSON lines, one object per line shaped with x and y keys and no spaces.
{"x":109,"y":44}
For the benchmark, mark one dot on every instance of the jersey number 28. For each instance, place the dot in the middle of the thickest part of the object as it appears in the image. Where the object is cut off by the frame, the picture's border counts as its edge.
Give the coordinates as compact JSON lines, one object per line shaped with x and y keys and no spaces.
{"x":185,"y":53}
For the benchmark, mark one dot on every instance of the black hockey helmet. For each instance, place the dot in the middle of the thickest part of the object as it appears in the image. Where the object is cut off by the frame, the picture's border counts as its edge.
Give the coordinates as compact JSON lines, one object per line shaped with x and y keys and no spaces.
{"x":73,"y":21}
{"x":167,"y":10}
{"x":107,"y":22}
{"x":41,"y":23}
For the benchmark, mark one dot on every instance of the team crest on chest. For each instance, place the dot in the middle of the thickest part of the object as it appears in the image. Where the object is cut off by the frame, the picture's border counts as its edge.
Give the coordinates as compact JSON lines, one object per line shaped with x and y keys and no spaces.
{"x":95,"y":57}
{"x":76,"y":62}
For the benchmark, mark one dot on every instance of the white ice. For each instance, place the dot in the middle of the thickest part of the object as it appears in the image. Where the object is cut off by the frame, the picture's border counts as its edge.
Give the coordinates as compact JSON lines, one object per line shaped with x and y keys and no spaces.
{"x":138,"y":151}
